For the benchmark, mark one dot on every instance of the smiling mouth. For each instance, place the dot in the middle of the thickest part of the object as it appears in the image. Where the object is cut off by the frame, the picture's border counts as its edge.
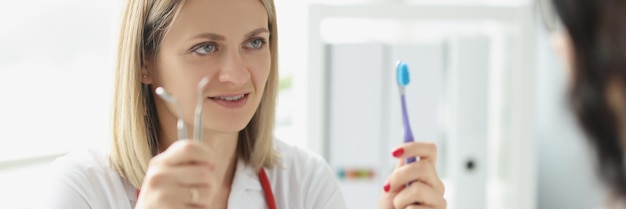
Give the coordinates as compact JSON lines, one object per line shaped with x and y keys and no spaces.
{"x":229,"y":98}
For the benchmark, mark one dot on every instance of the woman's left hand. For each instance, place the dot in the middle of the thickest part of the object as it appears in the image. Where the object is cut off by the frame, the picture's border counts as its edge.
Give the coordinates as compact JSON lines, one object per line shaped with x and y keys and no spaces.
{"x":426,"y":189}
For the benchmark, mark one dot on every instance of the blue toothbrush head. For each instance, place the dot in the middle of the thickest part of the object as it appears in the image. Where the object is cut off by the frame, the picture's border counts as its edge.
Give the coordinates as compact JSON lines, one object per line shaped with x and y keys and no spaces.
{"x":403,"y":76}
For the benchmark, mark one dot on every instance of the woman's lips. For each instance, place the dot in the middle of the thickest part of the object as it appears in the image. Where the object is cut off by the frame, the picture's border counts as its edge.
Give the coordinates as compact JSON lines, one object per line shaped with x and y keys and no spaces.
{"x":231,"y":101}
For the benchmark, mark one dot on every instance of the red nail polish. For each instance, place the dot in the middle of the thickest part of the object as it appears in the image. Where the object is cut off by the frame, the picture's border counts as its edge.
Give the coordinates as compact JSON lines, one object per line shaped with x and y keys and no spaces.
{"x":398,"y":152}
{"x":386,"y":188}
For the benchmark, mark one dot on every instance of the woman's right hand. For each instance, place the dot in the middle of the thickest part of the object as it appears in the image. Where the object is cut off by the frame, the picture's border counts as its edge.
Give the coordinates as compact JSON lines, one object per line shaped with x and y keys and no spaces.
{"x":180,"y":177}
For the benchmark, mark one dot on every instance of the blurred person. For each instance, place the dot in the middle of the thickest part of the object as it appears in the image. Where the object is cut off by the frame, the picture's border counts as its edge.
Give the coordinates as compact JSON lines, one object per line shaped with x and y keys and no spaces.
{"x":591,"y":39}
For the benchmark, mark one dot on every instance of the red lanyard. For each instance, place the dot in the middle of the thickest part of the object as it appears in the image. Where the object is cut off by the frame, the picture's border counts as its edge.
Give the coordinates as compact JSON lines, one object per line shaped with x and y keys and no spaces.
{"x":267,"y":190}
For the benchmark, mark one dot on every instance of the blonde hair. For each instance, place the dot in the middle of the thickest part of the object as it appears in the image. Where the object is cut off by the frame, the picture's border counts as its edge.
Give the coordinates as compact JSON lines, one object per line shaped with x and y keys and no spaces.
{"x":134,"y":122}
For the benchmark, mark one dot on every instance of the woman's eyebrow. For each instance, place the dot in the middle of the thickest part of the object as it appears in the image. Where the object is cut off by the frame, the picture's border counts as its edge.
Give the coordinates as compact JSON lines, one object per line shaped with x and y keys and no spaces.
{"x":218,"y":37}
{"x":257,"y":32}
{"x":211,"y":36}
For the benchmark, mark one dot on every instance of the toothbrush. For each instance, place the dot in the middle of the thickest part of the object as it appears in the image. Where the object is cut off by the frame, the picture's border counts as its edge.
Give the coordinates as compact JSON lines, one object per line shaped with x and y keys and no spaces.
{"x":403,"y":79}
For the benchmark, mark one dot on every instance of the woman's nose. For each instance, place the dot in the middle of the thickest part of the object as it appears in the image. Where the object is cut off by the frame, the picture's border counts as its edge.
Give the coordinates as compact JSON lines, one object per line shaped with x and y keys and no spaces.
{"x":234,"y":70}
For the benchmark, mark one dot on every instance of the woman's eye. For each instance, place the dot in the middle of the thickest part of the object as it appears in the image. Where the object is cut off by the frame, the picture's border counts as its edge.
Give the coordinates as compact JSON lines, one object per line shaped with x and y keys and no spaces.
{"x":205,"y":49}
{"x":256,"y":43}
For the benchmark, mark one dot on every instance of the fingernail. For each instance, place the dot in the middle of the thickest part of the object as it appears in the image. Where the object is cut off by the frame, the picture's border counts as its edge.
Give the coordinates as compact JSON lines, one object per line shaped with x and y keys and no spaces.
{"x":386,"y":188}
{"x":398,"y":152}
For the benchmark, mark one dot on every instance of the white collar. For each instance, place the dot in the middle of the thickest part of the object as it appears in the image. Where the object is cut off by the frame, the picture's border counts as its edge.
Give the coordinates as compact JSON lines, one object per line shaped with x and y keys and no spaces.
{"x":246,"y":190}
{"x":246,"y":178}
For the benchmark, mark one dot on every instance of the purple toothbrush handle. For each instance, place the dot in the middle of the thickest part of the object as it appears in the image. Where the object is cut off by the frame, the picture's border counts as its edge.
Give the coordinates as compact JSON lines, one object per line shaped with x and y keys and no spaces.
{"x":408,"y":134}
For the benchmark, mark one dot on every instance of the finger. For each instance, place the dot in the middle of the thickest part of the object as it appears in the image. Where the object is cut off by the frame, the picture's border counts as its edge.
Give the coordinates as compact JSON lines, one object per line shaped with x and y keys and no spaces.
{"x":420,"y":193}
{"x":400,"y":163}
{"x":204,"y":196}
{"x":185,"y":152}
{"x":423,"y":150}
{"x":182,"y":175}
{"x":416,"y":206}
{"x":179,"y":196}
{"x":193,"y":175}
{"x":423,"y":171}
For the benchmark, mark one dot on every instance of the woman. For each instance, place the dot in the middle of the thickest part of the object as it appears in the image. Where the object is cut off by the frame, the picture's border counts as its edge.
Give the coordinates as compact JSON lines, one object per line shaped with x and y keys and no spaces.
{"x":237,"y":163}
{"x":594,"y":45}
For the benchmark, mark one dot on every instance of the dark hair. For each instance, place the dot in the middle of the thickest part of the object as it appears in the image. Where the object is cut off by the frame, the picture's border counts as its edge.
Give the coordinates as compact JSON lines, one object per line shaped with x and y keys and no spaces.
{"x":597,"y":29}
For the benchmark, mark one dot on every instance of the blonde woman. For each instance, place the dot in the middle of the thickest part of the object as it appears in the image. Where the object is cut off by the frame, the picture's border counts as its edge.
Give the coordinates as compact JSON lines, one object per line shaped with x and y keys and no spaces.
{"x":237,"y":163}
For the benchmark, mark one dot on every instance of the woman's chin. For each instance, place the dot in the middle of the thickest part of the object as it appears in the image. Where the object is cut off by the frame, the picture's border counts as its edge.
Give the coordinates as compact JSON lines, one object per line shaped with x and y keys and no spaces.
{"x":227,"y":127}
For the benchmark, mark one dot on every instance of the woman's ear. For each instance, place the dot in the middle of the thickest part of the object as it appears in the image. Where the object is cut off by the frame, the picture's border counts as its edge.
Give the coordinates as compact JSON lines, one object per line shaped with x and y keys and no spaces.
{"x":147,"y":73}
{"x":562,"y":44}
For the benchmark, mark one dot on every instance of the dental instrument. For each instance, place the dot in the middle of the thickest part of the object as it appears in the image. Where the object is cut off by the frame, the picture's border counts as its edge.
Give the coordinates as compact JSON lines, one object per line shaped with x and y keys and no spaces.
{"x":182,"y":128}
{"x":197,"y":131}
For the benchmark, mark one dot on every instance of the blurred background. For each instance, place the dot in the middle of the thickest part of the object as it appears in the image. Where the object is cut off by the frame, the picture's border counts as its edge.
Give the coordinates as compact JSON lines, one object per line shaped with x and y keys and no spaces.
{"x":486,"y":86}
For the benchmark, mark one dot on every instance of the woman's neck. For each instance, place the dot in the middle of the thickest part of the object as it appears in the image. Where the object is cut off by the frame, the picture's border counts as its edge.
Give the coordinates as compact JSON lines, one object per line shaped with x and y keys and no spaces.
{"x":225,"y":152}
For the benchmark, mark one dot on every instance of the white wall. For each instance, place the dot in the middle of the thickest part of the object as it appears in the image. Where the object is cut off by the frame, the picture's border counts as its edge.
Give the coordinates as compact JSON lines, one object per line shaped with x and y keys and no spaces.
{"x":55,"y":81}
{"x":55,"y":75}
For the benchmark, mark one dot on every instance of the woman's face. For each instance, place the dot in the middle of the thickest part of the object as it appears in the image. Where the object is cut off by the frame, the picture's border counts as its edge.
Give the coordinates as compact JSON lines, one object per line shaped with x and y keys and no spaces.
{"x":225,"y":41}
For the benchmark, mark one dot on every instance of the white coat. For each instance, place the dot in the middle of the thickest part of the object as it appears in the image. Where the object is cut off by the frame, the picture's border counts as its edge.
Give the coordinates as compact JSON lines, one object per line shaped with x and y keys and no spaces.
{"x":84,"y":180}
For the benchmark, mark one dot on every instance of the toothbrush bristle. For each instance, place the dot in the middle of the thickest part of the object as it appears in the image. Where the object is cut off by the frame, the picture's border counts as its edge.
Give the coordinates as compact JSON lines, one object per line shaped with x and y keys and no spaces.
{"x":403,"y":74}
